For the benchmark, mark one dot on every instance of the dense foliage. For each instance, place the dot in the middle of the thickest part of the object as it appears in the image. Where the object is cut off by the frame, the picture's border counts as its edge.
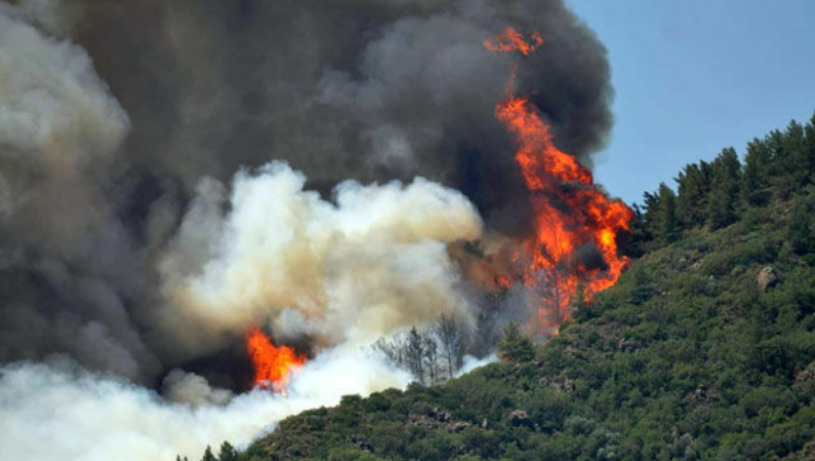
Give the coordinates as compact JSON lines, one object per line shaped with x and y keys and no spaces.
{"x":705,"y":349}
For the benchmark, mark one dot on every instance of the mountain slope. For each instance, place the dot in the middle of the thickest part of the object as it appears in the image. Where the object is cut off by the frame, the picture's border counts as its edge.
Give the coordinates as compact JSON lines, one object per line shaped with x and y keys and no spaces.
{"x":705,"y":349}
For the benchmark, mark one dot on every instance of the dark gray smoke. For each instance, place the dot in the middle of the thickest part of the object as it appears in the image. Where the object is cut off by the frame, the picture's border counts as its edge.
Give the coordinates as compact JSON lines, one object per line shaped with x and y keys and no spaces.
{"x":354,"y":89}
{"x":368,"y":90}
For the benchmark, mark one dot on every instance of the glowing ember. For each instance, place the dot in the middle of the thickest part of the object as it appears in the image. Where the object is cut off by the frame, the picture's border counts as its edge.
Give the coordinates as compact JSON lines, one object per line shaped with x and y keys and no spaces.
{"x":572,"y":217}
{"x":273,"y":365}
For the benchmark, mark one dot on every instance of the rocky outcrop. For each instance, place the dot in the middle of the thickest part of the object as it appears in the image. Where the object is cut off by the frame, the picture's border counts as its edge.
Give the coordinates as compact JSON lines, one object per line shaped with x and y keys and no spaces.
{"x":767,"y":278}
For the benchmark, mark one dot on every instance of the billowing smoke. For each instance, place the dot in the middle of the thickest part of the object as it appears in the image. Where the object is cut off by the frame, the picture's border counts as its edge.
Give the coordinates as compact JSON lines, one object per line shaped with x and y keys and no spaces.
{"x":366,"y":89}
{"x":351,"y":271}
{"x":102,"y":418}
{"x":172,"y":173}
{"x":68,"y":269}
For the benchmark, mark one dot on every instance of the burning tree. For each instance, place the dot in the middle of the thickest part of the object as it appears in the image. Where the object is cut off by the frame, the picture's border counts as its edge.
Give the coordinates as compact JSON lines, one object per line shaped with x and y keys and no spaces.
{"x":273,"y":365}
{"x":572,"y":218}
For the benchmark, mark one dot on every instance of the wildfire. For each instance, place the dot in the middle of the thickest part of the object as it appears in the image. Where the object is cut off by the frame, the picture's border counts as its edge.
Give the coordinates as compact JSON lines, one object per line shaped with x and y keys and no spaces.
{"x":571,"y":215}
{"x":273,"y":365}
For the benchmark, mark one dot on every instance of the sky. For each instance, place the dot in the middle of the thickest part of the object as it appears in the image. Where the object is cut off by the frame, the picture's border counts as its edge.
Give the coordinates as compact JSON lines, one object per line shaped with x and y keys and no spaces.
{"x":692,"y":77}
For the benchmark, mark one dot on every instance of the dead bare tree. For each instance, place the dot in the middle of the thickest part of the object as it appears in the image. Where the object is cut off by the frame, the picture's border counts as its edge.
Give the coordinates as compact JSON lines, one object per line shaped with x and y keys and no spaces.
{"x":452,"y":345}
{"x":415,"y":354}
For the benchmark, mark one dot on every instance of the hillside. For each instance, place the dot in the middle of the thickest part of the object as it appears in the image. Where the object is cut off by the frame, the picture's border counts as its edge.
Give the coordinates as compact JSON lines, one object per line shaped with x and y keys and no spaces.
{"x":705,"y":349}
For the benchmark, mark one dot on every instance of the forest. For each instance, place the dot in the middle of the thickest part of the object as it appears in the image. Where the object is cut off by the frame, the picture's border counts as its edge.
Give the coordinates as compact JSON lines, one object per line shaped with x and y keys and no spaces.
{"x":704,"y":349}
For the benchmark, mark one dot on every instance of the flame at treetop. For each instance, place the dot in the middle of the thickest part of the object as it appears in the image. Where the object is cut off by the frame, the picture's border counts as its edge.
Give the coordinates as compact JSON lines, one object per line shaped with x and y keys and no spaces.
{"x":273,"y":365}
{"x":571,"y":215}
{"x":512,"y":40}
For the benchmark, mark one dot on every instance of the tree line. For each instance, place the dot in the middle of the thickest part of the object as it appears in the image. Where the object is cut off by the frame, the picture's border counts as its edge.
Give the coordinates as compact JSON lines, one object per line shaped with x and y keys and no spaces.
{"x":716,"y":194}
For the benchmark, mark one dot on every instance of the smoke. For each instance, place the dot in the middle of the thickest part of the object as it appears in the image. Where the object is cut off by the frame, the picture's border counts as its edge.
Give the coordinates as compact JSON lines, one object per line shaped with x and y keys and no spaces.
{"x":182,"y":387}
{"x":351,"y":271}
{"x":66,"y":263}
{"x":471,"y":363}
{"x":101,"y":181}
{"x":57,"y":412}
{"x":174,"y":172}
{"x":363,"y":90}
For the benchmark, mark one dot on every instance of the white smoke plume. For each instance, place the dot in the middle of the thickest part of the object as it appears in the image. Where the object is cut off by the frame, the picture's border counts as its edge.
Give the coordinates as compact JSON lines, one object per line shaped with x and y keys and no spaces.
{"x":58,"y":413}
{"x":370,"y":263}
{"x":182,"y":387}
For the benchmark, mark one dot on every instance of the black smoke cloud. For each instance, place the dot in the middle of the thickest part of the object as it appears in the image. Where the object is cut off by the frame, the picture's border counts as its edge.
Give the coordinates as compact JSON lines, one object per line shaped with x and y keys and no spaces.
{"x":367,"y":90}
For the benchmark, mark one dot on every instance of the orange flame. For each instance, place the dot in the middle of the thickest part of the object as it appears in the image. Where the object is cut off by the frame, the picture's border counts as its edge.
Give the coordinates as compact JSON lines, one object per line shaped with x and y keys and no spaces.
{"x":273,"y":365}
{"x":570,"y":212}
{"x":512,"y":40}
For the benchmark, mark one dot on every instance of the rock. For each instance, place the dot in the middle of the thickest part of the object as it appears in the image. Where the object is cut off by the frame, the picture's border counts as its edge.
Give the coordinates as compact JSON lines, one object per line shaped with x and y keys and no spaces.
{"x":459,"y":426}
{"x":485,"y":424}
{"x":519,"y":418}
{"x":767,"y":278}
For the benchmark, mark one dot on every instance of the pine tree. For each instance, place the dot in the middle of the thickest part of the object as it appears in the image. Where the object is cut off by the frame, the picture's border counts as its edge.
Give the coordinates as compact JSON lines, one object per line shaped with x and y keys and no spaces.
{"x":798,"y":166}
{"x":693,"y":188}
{"x":809,"y":149}
{"x":755,"y":177}
{"x":581,"y":305}
{"x":666,"y":224}
{"x":515,"y":346}
{"x":227,"y":453}
{"x":633,"y":245}
{"x":415,"y":354}
{"x":726,"y":175}
{"x":431,"y":358}
{"x":650,"y":204}
{"x":208,"y":456}
{"x":452,"y":348}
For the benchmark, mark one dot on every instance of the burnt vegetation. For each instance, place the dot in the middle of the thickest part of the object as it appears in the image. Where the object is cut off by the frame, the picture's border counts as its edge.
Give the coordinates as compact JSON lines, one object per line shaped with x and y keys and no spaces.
{"x":705,"y":349}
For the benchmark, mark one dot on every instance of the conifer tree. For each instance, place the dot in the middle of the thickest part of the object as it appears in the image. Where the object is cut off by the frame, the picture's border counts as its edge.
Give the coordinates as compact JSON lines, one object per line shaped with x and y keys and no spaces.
{"x":208,"y":456}
{"x":797,"y":167}
{"x":415,"y":354}
{"x":666,"y":224}
{"x":228,"y":452}
{"x":515,"y":346}
{"x":809,"y":149}
{"x":581,"y":306}
{"x":722,"y":203}
{"x":693,"y":188}
{"x":756,"y":173}
{"x":431,"y":358}
{"x":452,"y":347}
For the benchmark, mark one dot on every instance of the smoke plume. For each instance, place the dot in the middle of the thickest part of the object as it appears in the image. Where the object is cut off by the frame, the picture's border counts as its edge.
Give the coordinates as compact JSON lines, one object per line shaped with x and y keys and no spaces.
{"x":101,"y":418}
{"x":351,"y":271}
{"x":172,"y":173}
